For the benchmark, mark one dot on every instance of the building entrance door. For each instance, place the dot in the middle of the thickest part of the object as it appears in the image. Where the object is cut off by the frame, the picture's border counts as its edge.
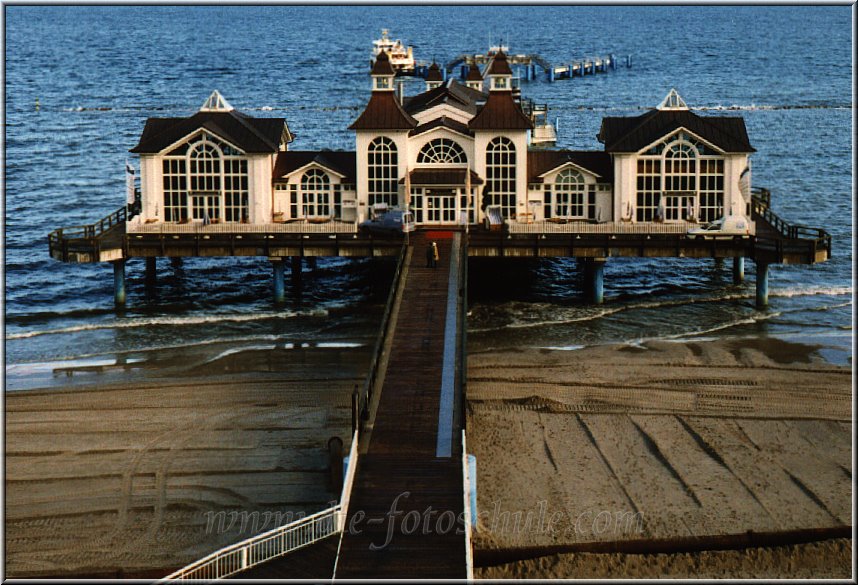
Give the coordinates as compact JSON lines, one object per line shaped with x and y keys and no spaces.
{"x":205,"y":206}
{"x":678,"y":206}
{"x":440,"y":206}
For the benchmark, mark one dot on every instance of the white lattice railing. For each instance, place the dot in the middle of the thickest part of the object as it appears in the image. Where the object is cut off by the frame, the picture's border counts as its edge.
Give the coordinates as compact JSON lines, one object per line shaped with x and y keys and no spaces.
{"x":297,"y":227}
{"x":613,"y":227}
{"x":282,"y":540}
{"x":466,"y":487}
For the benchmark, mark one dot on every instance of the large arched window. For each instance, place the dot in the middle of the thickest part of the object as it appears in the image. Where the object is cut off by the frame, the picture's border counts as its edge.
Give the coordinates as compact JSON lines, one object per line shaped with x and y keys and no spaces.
{"x":382,"y":171}
{"x":500,"y":174}
{"x":680,"y":178}
{"x":205,"y":179}
{"x":442,"y":151}
{"x":570,"y":194}
{"x":316,"y":194}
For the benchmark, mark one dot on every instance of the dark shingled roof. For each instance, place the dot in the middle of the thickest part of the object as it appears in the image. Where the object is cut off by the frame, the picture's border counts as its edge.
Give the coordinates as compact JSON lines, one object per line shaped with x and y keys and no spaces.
{"x":252,"y":135}
{"x":499,"y":65}
{"x":441,"y":177}
{"x":452,"y":93}
{"x":501,"y":112}
{"x":340,"y":161}
{"x":434,"y":73}
{"x":383,"y":112}
{"x":382,"y":65}
{"x":634,"y":133}
{"x":442,"y":122}
{"x":474,"y":73}
{"x":542,"y":161}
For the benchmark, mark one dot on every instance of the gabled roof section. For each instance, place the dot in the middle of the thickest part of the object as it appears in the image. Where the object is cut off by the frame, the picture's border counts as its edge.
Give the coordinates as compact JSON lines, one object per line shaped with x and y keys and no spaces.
{"x":596,"y":162}
{"x":442,"y":122}
{"x":632,"y":134}
{"x":251,"y":135}
{"x":451,"y":93}
{"x":500,"y":112}
{"x":341,"y":162}
{"x":382,"y":65}
{"x":383,"y":112}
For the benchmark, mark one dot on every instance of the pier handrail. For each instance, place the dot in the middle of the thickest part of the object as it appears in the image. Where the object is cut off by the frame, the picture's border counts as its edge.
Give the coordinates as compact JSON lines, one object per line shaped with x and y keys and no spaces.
{"x":761,"y":200}
{"x":364,"y":399}
{"x":278,"y":541}
{"x":87,"y":233}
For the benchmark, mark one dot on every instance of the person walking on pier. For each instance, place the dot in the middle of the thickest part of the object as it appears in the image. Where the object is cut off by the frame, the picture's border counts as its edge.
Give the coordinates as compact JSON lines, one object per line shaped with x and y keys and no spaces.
{"x":435,"y":256}
{"x":430,"y":256}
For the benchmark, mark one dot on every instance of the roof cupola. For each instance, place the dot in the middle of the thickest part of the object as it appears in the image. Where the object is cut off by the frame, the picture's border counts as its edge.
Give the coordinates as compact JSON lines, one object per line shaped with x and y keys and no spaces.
{"x":382,"y":73}
{"x":499,"y":73}
{"x":433,"y":77}
{"x":474,"y":79}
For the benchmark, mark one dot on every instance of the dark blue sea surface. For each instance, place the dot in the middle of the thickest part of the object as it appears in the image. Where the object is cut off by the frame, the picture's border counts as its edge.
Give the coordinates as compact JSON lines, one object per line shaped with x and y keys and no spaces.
{"x":98,"y":72}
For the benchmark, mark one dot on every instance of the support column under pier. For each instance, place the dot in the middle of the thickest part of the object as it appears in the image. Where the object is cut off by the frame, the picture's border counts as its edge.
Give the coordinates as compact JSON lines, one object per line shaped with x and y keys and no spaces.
{"x":738,"y":269}
{"x":762,"y":285}
{"x":119,"y":283}
{"x":594,"y":279}
{"x":279,"y":284}
{"x":151,"y":272}
{"x":296,"y":269}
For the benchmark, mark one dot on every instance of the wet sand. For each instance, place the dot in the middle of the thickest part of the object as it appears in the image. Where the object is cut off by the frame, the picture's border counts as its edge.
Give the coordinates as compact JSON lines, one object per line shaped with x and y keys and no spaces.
{"x":154,"y":473}
{"x":666,"y":440}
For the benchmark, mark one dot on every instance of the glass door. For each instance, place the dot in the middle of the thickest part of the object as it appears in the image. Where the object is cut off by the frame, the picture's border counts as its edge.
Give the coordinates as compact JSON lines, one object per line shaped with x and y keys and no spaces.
{"x":205,"y":206}
{"x":678,"y":206}
{"x":440,"y":206}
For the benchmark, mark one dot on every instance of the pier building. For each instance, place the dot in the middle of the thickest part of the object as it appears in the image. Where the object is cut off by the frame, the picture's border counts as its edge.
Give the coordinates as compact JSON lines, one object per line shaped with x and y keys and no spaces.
{"x":222,"y":183}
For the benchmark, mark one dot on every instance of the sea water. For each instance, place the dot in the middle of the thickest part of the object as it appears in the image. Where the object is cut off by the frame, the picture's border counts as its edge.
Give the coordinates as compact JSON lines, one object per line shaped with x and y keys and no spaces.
{"x":81,"y":81}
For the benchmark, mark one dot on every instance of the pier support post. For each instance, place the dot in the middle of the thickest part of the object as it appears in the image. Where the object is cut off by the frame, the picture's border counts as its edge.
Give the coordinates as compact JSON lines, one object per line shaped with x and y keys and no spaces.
{"x":279,"y":285}
{"x":762,"y":285}
{"x":594,"y":279}
{"x":119,"y":283}
{"x":296,"y":269}
{"x":176,"y":261}
{"x":738,"y":269}
{"x":151,"y":271}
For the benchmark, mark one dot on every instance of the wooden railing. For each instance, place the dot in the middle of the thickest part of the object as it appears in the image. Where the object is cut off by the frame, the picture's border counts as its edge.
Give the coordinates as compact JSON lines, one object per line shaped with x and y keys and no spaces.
{"x":87,"y":236}
{"x":330,"y":227}
{"x":761,"y":200}
{"x":361,"y":399}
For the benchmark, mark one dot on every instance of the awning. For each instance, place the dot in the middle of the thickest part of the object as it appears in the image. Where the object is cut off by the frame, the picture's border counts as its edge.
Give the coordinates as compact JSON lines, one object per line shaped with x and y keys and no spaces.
{"x":445,"y":177}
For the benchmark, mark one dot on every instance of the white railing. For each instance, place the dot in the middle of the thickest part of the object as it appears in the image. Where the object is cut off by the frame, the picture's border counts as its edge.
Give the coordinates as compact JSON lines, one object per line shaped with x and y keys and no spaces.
{"x":269,"y":545}
{"x":466,"y":488}
{"x":296,"y":227}
{"x":613,"y":227}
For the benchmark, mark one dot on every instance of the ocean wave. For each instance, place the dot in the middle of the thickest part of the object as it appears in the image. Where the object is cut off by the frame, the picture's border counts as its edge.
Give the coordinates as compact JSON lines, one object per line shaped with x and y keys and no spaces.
{"x":699,"y":332}
{"x":170,"y":321}
{"x":604,"y":312}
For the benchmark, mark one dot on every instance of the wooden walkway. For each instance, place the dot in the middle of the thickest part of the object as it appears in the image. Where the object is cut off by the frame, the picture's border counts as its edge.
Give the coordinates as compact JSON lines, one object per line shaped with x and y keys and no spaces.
{"x":406,"y":511}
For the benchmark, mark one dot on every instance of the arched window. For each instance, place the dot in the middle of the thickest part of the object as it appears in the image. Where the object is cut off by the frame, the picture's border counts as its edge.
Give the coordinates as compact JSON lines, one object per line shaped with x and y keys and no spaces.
{"x":680,"y":181}
{"x":205,"y":179}
{"x":316,"y":194}
{"x":442,"y":151}
{"x":382,"y":171}
{"x":570,"y":194}
{"x":500,"y":175}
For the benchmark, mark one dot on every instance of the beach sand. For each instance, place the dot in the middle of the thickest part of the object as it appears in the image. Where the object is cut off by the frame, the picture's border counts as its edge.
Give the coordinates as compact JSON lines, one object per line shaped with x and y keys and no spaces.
{"x":664,"y":440}
{"x":140,"y":478}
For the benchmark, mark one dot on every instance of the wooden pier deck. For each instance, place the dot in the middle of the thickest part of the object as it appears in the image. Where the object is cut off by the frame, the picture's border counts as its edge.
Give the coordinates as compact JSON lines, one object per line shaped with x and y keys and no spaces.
{"x":407,"y":501}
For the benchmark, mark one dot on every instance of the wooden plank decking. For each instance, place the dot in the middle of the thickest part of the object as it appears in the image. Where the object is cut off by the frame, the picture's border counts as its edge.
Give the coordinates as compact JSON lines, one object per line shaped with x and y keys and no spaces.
{"x":406,"y":507}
